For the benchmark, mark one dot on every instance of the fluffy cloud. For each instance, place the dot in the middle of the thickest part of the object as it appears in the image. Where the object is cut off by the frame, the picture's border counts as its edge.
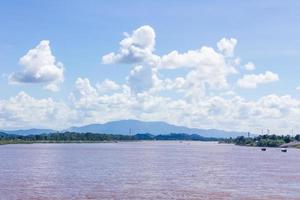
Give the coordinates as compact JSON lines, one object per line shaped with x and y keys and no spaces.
{"x":40,"y":66}
{"x":135,"y":48}
{"x":249,"y":66}
{"x":85,"y":93}
{"x":88,"y":105}
{"x":25,"y":111}
{"x":107,"y":86}
{"x":252,"y":80}
{"x":140,"y":79}
{"x":209,"y":111}
{"x":227,"y":46}
{"x":204,"y":57}
{"x":207,"y":68}
{"x":92,"y":106}
{"x":202,"y":96}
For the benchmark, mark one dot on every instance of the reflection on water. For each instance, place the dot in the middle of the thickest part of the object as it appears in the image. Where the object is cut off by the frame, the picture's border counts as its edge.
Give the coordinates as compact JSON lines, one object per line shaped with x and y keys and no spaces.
{"x":147,"y":170}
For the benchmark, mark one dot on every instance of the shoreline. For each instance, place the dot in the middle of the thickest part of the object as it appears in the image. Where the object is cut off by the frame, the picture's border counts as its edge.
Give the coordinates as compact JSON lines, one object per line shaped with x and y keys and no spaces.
{"x":58,"y":142}
{"x":96,"y":142}
{"x":278,"y":147}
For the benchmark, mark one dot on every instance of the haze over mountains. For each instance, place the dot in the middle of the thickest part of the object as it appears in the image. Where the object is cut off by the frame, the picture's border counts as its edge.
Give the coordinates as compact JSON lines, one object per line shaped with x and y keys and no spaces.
{"x":33,"y":131}
{"x":131,"y":127}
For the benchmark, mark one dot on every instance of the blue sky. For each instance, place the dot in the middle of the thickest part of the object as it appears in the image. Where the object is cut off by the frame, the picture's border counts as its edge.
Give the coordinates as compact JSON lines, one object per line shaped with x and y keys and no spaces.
{"x":82,"y":32}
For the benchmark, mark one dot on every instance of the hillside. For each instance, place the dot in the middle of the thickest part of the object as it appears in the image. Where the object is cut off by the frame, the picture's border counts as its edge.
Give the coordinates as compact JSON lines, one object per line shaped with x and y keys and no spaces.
{"x":125,"y":127}
{"x":33,"y":131}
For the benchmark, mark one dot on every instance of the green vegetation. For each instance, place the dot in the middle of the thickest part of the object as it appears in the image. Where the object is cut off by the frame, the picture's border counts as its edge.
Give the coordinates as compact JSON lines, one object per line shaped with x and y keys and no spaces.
{"x":174,"y":136}
{"x":72,"y":137}
{"x":263,"y":140}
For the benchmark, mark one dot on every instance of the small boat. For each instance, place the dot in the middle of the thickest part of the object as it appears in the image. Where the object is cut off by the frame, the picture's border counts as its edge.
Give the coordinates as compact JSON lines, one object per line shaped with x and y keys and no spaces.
{"x":284,"y":150}
{"x":263,"y":149}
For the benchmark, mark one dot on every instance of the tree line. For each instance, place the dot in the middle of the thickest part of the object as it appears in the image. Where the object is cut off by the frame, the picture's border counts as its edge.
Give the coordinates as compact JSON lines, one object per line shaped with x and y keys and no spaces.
{"x":263,"y":140}
{"x":96,"y":137}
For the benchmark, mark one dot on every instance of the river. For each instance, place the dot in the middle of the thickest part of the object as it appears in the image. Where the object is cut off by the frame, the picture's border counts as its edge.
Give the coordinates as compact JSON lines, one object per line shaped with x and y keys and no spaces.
{"x":147,"y":170}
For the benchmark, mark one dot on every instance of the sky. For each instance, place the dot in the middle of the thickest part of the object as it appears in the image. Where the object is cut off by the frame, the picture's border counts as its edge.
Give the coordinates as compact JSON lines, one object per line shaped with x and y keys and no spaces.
{"x":230,"y":65}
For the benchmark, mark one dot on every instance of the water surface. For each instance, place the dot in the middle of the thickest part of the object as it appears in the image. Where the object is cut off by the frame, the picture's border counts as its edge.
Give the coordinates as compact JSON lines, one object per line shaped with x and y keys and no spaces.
{"x":147,"y":170}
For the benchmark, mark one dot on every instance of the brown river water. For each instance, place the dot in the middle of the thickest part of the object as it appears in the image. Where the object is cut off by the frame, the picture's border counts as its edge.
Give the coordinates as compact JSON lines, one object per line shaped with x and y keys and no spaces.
{"x":147,"y":170}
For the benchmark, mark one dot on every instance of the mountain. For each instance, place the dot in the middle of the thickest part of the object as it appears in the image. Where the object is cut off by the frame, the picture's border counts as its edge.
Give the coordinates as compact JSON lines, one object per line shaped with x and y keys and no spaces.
{"x":132,"y":127}
{"x":33,"y":131}
{"x":126,"y":127}
{"x":2,"y":134}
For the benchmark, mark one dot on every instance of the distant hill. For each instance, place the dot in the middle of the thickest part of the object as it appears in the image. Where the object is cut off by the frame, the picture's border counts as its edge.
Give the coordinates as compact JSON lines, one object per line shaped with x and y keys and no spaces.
{"x":133,"y":127}
{"x":73,"y":137}
{"x":28,"y":131}
{"x":173,"y":136}
{"x":126,"y":127}
{"x":3,"y":134}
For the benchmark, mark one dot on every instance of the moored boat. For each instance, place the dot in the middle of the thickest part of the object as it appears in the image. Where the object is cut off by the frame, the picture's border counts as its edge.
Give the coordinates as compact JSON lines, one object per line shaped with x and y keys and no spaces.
{"x":283,"y":150}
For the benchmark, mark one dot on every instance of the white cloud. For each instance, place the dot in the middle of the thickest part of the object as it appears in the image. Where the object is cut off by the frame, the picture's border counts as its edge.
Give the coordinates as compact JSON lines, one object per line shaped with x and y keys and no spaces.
{"x":249,"y":66}
{"x":140,"y":79}
{"x":298,"y":88}
{"x":230,"y":112}
{"x":135,"y":48}
{"x":53,"y":87}
{"x":40,"y":66}
{"x":84,"y":93}
{"x":202,"y":96}
{"x":203,"y":57}
{"x":107,"y":86}
{"x":88,"y":105}
{"x":23,"y":111}
{"x":207,"y":68}
{"x":227,"y":46}
{"x":92,"y":106}
{"x":252,"y":80}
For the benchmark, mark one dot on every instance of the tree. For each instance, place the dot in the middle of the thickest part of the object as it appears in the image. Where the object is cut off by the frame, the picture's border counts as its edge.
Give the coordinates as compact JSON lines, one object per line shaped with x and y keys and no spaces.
{"x":287,"y":139}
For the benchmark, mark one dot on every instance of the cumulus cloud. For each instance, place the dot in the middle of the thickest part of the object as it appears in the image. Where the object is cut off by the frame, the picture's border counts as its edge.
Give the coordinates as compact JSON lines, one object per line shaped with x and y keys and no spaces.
{"x":88,"y":105}
{"x":40,"y":66}
{"x":227,"y":46}
{"x":107,"y":86}
{"x":92,"y":106}
{"x":249,"y":66}
{"x":229,"y":113}
{"x":135,"y":48}
{"x":207,"y":67}
{"x":140,"y":79}
{"x":252,"y":80}
{"x":202,"y":96}
{"x":84,"y":93}
{"x":203,"y":57}
{"x":25,"y":111}
{"x":53,"y":87}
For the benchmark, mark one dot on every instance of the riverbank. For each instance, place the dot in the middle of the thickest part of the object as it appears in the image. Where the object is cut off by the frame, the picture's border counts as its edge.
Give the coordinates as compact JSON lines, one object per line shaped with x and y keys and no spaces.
{"x":71,"y":137}
{"x":279,"y":141}
{"x":6,"y":142}
{"x":294,"y":144}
